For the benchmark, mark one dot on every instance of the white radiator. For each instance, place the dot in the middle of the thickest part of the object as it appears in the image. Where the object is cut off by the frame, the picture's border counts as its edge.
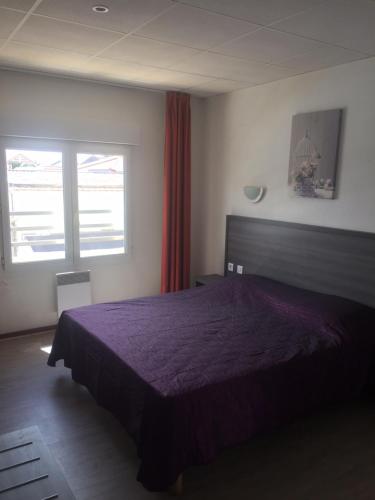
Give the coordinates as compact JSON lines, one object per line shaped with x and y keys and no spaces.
{"x":73,"y":290}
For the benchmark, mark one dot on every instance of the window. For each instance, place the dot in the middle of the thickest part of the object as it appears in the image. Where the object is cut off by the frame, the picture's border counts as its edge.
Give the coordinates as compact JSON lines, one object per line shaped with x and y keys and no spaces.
{"x":101,"y":204}
{"x":36,"y":205}
{"x":61,"y":201}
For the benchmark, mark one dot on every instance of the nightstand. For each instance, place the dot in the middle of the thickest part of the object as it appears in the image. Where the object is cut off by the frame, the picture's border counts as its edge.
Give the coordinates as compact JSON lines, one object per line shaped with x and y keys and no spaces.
{"x":207,"y":279}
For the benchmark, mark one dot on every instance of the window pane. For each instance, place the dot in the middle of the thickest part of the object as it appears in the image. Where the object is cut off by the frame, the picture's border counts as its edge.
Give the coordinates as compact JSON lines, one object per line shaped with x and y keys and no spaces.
{"x":101,"y":204}
{"x":36,"y":205}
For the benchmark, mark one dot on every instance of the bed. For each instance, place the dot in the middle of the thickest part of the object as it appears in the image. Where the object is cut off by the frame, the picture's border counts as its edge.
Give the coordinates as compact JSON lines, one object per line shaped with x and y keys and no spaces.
{"x":193,"y":372}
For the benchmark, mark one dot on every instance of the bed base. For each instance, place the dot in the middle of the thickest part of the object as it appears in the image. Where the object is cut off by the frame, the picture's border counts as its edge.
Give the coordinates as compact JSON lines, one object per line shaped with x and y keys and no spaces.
{"x":176,"y":489}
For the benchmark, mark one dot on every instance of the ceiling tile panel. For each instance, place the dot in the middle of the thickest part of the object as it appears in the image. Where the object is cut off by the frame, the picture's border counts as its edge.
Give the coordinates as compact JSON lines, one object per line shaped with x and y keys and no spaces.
{"x":268,"y":46}
{"x":189,"y":47}
{"x":219,"y":86}
{"x":202,"y":93}
{"x":195,"y":28}
{"x":123,"y":15}
{"x":256,"y":11}
{"x":17,"y":4}
{"x":348,"y":23}
{"x":220,"y":66}
{"x":178,"y":80}
{"x":66,"y":36}
{"x":322,"y":57}
{"x":40,"y":58}
{"x":8,"y":21}
{"x":147,"y":51}
{"x":120,"y":71}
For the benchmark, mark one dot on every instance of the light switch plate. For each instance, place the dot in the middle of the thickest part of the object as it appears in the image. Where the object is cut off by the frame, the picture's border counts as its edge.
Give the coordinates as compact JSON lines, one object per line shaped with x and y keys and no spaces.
{"x":230,"y":266}
{"x":239,"y":269}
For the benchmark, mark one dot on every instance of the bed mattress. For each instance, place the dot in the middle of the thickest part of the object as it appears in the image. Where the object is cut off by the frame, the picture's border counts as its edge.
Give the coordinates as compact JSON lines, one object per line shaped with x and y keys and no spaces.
{"x":193,"y":372}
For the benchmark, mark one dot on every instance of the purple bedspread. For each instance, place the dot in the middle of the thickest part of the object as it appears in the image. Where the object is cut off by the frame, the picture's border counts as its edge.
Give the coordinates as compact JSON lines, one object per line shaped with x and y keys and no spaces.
{"x":192,"y":372}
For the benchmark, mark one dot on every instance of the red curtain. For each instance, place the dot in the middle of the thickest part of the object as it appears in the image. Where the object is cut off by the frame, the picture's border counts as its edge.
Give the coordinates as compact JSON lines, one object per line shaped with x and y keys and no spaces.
{"x":175,"y":268}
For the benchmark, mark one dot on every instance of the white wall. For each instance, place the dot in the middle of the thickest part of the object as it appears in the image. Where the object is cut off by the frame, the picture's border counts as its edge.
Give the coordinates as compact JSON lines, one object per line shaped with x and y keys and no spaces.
{"x":248,"y":140}
{"x":45,"y":106}
{"x":238,"y":139}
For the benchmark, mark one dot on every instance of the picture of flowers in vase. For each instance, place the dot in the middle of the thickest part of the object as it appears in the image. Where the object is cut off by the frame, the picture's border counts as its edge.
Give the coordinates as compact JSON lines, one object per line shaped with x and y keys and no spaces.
{"x":313,"y":154}
{"x":306,"y":161}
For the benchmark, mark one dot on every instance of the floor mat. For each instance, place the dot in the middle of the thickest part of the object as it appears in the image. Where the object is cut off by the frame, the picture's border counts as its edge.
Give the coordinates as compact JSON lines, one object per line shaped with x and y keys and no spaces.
{"x":28,"y":470}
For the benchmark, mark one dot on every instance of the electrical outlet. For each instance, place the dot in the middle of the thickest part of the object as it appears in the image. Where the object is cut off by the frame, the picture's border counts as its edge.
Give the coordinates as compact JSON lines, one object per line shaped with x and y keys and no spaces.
{"x":239,"y":269}
{"x":230,"y":266}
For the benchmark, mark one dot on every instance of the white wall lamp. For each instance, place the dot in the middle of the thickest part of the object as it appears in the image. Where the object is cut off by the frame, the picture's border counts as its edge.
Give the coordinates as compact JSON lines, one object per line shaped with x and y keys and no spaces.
{"x":254,"y":193}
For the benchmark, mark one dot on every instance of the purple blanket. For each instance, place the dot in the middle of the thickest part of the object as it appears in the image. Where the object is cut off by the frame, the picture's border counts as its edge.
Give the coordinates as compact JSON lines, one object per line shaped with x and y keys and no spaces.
{"x":192,"y":372}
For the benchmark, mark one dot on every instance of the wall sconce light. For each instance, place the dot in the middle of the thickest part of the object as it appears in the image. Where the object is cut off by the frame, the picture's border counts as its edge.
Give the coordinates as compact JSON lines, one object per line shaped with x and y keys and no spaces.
{"x":254,"y":193}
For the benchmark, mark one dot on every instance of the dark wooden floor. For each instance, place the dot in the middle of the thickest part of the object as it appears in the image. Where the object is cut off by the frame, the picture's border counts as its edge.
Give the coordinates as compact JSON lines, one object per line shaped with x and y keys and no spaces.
{"x":329,"y":456}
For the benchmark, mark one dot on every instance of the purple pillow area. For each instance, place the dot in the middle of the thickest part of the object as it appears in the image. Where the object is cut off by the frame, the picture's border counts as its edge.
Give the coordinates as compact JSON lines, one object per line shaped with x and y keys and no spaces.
{"x":345,"y":316}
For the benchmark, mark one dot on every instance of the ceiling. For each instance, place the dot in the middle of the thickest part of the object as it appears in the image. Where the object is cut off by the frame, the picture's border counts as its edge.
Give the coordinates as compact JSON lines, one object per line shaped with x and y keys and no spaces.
{"x":204,"y":47}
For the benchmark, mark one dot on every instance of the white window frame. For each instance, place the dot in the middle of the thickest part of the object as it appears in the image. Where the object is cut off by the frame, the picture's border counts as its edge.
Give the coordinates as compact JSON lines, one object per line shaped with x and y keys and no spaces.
{"x":97,"y":148}
{"x":69,"y":150}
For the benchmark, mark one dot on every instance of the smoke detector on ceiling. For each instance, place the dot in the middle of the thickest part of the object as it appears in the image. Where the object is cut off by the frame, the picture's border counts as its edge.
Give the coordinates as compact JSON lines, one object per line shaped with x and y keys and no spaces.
{"x":100,"y":9}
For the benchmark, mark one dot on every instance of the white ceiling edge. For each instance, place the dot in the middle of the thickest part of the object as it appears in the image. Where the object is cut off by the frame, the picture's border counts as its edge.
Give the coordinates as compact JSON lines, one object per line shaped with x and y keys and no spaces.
{"x":67,"y":76}
{"x":139,"y":87}
{"x":299,"y":75}
{"x":110,"y":83}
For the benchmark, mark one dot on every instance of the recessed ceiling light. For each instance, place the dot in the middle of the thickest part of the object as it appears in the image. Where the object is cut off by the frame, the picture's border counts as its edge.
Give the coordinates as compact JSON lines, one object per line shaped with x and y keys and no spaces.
{"x":100,"y":9}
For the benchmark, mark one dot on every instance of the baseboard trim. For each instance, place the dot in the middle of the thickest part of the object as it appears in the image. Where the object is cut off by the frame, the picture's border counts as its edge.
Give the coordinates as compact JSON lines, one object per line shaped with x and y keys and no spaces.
{"x":23,"y":333}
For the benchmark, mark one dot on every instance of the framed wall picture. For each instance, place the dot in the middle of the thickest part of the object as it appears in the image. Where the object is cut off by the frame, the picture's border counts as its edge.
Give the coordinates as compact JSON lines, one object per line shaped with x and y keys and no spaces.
{"x":314,"y":154}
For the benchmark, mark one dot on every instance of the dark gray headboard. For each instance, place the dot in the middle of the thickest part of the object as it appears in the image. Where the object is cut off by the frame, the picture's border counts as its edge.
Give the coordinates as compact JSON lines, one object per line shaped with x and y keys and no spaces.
{"x":323,"y":259}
